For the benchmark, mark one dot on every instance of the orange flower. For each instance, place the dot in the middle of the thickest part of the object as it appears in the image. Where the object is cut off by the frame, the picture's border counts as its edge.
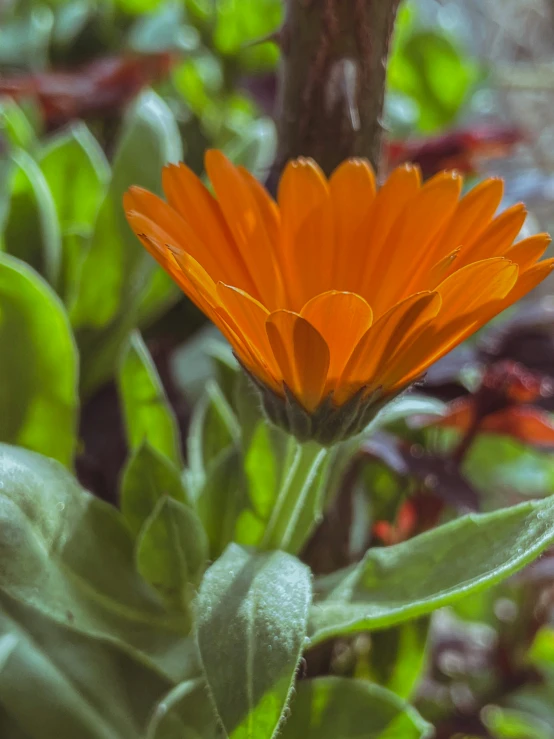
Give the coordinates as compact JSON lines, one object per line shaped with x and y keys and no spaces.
{"x":341,"y":294}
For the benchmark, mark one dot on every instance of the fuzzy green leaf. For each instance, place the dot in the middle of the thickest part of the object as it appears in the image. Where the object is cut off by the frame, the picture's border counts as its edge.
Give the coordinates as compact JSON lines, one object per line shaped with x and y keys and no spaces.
{"x":252,"y":615}
{"x":148,"y":477}
{"x":70,"y":556}
{"x":394,"y":584}
{"x":172,"y":552}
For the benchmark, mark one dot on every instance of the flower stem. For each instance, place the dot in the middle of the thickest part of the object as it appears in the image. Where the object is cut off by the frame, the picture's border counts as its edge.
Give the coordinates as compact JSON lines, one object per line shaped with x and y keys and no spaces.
{"x":299,"y":503}
{"x":332,"y":83}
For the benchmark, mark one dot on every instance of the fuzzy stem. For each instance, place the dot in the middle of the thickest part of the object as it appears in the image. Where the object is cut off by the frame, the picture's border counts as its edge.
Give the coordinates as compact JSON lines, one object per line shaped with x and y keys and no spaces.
{"x":332,"y":82}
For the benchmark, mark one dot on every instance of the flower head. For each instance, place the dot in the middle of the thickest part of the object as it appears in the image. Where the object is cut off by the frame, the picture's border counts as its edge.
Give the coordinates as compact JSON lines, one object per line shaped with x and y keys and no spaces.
{"x":341,"y":294}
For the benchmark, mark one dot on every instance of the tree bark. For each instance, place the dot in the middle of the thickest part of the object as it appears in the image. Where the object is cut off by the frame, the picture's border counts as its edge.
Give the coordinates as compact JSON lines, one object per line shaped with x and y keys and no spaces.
{"x":332,"y":83}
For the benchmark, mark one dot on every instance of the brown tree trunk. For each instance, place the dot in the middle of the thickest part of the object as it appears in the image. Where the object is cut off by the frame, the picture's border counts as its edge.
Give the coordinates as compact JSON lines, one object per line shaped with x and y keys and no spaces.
{"x":332,"y":83}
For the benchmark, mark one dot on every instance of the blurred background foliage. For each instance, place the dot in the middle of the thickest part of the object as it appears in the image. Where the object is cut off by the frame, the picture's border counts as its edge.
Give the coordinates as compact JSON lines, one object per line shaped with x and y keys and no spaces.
{"x":96,"y":96}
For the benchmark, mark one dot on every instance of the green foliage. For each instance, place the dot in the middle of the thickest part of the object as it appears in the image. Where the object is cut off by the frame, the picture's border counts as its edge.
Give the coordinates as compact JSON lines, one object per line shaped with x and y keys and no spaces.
{"x":252,"y":618}
{"x":393,"y":584}
{"x":332,"y":707}
{"x":429,"y":69}
{"x":147,"y":413}
{"x":38,"y":375}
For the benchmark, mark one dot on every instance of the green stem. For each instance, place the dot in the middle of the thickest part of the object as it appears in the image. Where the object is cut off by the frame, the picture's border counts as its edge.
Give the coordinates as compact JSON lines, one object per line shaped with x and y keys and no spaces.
{"x":299,"y":502}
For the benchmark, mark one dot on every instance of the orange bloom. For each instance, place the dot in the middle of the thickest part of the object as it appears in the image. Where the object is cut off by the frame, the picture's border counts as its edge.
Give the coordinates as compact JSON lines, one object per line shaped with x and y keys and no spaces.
{"x":340,"y":294}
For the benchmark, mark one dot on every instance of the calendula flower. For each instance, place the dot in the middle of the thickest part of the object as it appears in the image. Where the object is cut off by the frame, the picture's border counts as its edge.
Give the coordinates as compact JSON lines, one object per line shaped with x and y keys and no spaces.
{"x":341,"y":294}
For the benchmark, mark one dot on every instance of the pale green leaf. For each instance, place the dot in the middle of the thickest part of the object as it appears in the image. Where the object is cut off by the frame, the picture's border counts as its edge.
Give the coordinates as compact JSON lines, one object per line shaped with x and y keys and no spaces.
{"x":38,"y":373}
{"x":252,"y":615}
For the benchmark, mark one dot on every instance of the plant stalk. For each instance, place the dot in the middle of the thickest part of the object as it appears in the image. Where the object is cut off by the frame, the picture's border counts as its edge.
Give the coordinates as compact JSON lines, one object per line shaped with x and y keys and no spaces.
{"x":332,"y":83}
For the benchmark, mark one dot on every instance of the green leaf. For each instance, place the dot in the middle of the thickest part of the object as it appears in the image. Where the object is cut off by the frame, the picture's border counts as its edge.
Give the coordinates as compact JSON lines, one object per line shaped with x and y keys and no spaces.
{"x":15,"y":125}
{"x":76,"y":686}
{"x":148,"y":477}
{"x":252,"y":615}
{"x":504,"y":723}
{"x":70,"y":556}
{"x":221,"y":500}
{"x":32,"y":230}
{"x":146,"y":410}
{"x":77,"y":173}
{"x":240,"y":22}
{"x":213,"y":428}
{"x":429,"y":68}
{"x":333,"y":707}
{"x":172,"y":552}
{"x":38,"y":374}
{"x":163,"y":31}
{"x":396,"y":657}
{"x":185,"y":712}
{"x":395,"y":584}
{"x":116,"y":260}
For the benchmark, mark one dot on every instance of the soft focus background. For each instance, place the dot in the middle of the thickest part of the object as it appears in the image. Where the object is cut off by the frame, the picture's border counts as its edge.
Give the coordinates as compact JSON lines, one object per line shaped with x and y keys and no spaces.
{"x":95,"y":96}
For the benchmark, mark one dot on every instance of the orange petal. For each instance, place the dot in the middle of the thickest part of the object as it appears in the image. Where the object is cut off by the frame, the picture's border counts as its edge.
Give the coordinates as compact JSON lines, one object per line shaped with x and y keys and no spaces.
{"x":527,"y":282}
{"x":470,"y":297}
{"x":527,"y":251}
{"x":245,"y":222}
{"x":473,"y":214}
{"x":400,"y":187}
{"x":188,"y":196}
{"x":302,"y":355}
{"x":496,"y":239}
{"x":342,"y":319}
{"x":373,"y":348}
{"x":310,"y":263}
{"x":250,"y":317}
{"x":352,"y":187}
{"x":406,"y":257}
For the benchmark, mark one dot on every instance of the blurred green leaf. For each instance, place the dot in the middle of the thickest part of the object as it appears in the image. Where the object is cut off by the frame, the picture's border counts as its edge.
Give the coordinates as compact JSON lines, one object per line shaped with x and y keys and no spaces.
{"x":39,"y":366}
{"x":138,"y":6}
{"x":117,"y":270}
{"x":32,"y":230}
{"x":239,"y":22}
{"x":146,"y":410}
{"x":429,"y":68}
{"x":255,"y":148}
{"x":172,"y":552}
{"x":163,"y":31}
{"x":252,"y":614}
{"x":24,"y":40}
{"x":15,"y":125}
{"x":57,"y":683}
{"x":77,"y":173}
{"x":185,"y":712}
{"x":504,"y":723}
{"x":148,"y":477}
{"x":70,"y":20}
{"x":70,"y":556}
{"x":498,"y":465}
{"x":394,"y":584}
{"x":199,"y":80}
{"x":333,"y":707}
{"x":396,"y":657}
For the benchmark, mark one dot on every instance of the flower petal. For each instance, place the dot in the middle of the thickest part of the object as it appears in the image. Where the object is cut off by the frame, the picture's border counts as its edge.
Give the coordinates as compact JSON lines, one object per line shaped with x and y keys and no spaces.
{"x":341,"y":318}
{"x":400,"y":187}
{"x":496,"y":239}
{"x":372,"y":351}
{"x":240,"y":210}
{"x":527,"y":251}
{"x":352,"y":187}
{"x":302,"y":355}
{"x":470,"y":297}
{"x":406,"y":257}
